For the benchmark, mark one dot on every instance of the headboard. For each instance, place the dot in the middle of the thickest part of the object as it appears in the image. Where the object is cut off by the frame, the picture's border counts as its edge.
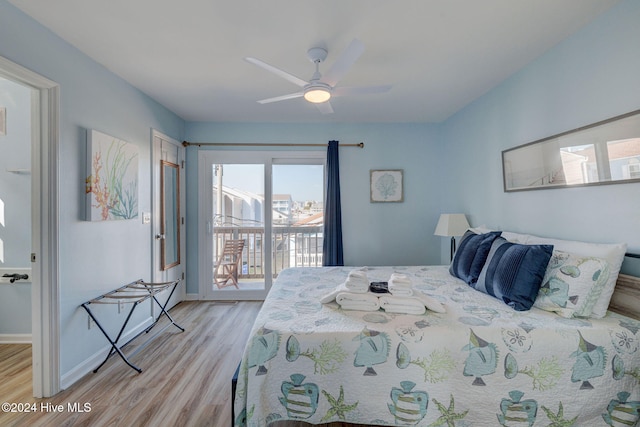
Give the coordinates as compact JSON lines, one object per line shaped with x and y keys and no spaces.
{"x":626,"y":297}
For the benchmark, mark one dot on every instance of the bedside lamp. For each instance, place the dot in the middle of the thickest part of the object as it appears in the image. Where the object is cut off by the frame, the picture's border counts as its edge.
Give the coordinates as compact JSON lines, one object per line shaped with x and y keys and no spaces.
{"x":451,"y":225}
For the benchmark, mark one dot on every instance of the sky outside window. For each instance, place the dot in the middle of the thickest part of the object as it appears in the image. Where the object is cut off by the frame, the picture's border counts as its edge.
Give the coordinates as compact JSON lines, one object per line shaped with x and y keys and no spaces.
{"x":303,"y":182}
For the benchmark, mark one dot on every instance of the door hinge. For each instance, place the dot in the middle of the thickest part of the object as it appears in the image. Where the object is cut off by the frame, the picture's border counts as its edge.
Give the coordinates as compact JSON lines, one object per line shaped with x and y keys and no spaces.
{"x":33,"y":257}
{"x":182,"y":164}
{"x":182,"y":218}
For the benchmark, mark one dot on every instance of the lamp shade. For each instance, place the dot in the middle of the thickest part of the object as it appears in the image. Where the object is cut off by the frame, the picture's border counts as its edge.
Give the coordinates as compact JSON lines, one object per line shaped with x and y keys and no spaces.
{"x":451,"y":225}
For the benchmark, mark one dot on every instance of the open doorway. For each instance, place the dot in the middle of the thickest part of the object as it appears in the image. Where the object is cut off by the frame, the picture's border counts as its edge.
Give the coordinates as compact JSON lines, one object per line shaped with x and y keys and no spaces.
{"x":15,"y":214}
{"x":41,"y":247}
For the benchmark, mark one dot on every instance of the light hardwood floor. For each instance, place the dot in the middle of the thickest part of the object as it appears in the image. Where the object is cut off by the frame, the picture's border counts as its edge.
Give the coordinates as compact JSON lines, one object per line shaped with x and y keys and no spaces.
{"x":186,"y":378}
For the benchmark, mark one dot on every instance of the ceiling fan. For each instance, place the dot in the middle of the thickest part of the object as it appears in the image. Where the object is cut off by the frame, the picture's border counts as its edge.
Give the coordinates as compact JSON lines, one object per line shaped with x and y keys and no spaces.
{"x":321,"y":88}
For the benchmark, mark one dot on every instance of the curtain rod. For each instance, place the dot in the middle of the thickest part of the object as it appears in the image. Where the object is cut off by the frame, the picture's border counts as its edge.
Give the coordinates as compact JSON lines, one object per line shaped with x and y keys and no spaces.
{"x":255,"y":144}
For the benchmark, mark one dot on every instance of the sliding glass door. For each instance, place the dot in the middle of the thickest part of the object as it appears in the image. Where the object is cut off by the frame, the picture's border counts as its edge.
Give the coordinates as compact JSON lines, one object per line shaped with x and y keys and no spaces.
{"x":298,"y":214}
{"x":260,"y":212}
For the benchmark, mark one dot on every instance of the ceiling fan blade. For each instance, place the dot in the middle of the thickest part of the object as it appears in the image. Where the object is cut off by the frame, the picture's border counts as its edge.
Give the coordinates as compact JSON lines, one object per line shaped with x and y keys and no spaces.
{"x":281,"y":98}
{"x":363,"y":90}
{"x":343,"y":63}
{"x":325,"y":107}
{"x":277,"y":71}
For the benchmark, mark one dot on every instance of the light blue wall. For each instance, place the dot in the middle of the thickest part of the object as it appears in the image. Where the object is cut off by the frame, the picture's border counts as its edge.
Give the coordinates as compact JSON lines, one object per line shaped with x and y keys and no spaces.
{"x":591,"y":76}
{"x":15,"y":208}
{"x":373,"y":233}
{"x":94,"y":257}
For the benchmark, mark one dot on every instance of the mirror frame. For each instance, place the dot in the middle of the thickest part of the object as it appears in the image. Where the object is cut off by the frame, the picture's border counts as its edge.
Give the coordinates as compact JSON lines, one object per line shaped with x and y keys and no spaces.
{"x":603,"y":130}
{"x":164,"y":265}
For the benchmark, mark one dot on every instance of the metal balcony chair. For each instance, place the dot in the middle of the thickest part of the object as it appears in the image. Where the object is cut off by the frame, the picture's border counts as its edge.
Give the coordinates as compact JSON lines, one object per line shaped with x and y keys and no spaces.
{"x":226,"y":269}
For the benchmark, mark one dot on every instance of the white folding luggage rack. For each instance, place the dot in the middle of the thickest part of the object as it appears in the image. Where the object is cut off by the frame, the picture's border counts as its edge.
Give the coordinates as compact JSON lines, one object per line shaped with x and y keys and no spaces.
{"x":134,"y":293}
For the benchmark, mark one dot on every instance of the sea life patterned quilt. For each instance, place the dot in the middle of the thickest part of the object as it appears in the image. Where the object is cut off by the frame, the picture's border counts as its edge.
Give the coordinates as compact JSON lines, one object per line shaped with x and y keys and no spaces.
{"x":479,"y":364}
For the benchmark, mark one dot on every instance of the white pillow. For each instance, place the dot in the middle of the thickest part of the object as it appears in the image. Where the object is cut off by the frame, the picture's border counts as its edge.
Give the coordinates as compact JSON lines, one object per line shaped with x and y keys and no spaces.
{"x":613,"y":253}
{"x":572,"y":284}
{"x":508,"y":235}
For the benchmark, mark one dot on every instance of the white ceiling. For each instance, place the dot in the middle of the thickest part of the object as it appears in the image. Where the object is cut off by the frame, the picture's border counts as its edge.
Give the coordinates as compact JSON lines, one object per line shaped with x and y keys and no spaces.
{"x":439,"y":55}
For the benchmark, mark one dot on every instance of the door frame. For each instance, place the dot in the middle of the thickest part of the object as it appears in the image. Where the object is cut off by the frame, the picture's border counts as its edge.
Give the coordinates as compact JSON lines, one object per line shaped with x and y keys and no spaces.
{"x":45,"y":296}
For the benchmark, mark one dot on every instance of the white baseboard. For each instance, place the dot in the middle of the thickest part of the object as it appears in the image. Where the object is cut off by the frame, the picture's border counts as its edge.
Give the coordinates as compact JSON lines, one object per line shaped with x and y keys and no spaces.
{"x":96,"y":359}
{"x":193,"y":297}
{"x":15,"y":339}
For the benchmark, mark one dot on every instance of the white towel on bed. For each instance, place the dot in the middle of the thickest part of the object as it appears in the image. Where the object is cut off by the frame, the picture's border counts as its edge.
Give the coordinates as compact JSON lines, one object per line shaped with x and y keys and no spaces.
{"x":400,"y":285}
{"x":430,"y":302}
{"x":331,"y":296}
{"x":357,"y":281}
{"x":358,"y":301}
{"x":354,"y":286}
{"x":404,"y":305}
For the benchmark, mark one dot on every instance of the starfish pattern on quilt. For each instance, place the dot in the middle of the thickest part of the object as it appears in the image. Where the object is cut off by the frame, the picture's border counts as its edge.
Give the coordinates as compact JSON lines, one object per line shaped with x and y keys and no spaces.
{"x":338,"y":407}
{"x":449,"y":416}
{"x":558,"y":420}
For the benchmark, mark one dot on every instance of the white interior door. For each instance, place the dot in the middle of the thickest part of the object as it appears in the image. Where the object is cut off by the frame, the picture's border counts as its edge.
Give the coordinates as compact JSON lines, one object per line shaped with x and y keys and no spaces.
{"x":168,"y":214}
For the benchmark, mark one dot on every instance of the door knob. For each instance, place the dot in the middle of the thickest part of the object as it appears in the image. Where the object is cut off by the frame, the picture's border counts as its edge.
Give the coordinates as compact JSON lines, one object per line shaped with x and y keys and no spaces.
{"x":160,"y":237}
{"x":16,"y":276}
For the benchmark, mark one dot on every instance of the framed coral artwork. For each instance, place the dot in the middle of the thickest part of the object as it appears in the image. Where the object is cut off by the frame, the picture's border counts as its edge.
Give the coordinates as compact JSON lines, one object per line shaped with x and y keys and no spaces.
{"x":386,"y":185}
{"x":112,"y":178}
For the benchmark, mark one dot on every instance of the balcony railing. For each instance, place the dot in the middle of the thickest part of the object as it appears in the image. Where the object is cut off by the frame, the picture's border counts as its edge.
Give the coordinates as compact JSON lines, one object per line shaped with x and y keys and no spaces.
{"x":292,"y":246}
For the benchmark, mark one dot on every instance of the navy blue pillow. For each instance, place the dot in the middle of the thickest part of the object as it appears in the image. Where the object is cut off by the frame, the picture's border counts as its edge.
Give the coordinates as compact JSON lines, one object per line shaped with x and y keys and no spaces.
{"x":513,"y":273}
{"x":471,"y":254}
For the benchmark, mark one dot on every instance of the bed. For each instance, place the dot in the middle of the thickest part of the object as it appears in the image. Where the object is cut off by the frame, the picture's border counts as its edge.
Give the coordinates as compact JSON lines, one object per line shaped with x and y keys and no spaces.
{"x":481,"y":363}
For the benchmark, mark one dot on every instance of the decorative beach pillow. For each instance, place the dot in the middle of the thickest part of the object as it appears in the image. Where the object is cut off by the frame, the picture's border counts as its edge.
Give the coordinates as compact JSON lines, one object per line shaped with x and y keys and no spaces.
{"x":471,"y":254}
{"x":513,"y":272}
{"x":572,"y":284}
{"x":612,"y":252}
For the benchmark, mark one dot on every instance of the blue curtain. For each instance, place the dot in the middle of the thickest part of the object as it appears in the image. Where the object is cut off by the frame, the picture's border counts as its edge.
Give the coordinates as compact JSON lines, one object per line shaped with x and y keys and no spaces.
{"x":332,"y":243}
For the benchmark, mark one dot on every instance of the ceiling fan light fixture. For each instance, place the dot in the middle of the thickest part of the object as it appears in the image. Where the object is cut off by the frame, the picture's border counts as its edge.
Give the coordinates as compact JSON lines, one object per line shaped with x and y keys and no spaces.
{"x":317,"y":95}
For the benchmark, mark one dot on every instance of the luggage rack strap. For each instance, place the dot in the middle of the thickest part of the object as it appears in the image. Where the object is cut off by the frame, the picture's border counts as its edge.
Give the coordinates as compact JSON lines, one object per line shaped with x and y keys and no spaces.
{"x":128,"y":292}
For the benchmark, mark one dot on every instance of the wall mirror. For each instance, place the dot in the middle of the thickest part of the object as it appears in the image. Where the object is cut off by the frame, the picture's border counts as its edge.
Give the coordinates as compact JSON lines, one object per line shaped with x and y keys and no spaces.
{"x":607,"y":152}
{"x":170,"y":215}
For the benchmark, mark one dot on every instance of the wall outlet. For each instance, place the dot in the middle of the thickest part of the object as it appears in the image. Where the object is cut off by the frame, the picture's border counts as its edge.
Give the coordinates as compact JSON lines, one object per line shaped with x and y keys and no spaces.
{"x":90,"y":323}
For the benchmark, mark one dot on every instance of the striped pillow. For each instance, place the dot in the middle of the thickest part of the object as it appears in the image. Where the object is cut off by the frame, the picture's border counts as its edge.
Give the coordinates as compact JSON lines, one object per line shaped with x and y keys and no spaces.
{"x":513,"y":273}
{"x":471,"y":255}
